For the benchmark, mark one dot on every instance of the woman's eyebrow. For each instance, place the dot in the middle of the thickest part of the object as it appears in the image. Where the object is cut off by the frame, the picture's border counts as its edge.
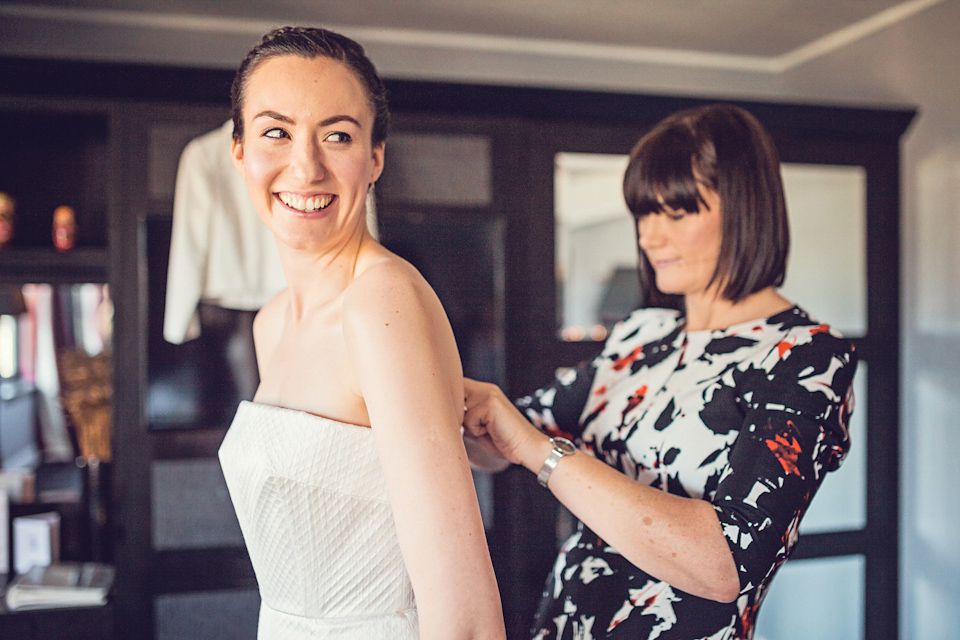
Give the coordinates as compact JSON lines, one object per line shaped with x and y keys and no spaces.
{"x":341,"y":118}
{"x":273,"y":115}
{"x":325,"y":123}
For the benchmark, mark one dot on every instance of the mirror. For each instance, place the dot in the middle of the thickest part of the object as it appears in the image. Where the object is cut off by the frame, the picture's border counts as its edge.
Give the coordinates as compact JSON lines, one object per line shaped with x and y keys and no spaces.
{"x":596,"y":252}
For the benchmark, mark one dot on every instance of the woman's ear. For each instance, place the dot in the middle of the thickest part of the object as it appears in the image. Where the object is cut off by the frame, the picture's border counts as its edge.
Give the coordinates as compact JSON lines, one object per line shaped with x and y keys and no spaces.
{"x":378,"y":151}
{"x":236,"y":150}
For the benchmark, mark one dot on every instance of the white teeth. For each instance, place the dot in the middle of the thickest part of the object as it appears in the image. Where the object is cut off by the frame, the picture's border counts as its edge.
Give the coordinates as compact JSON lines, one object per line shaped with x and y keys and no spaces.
{"x":307,"y":205}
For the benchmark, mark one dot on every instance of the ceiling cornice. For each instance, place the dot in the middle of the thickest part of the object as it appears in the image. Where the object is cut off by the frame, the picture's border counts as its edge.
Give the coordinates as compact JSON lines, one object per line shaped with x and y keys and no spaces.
{"x":492,"y":43}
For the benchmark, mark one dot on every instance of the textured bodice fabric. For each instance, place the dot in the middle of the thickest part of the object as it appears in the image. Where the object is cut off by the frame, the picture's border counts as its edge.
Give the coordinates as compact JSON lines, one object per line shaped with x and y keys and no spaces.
{"x":312,"y":503}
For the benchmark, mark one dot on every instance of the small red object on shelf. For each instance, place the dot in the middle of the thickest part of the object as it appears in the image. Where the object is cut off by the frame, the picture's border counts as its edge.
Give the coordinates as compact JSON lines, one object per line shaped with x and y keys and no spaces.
{"x":64,"y":228}
{"x":6,"y":218}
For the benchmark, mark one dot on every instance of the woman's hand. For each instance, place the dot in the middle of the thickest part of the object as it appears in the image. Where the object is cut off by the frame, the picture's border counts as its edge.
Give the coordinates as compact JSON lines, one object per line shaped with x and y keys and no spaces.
{"x":483,"y":454}
{"x":690,"y":551}
{"x":490,"y":414}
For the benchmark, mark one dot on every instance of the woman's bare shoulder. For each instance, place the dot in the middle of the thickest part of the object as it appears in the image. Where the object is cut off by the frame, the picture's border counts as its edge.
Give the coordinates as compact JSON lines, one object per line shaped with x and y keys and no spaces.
{"x":272,"y":311}
{"x":388,"y":282}
{"x":267,"y":324}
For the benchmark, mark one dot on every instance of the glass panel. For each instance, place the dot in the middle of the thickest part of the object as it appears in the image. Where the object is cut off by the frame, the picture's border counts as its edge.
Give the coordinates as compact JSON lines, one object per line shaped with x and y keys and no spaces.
{"x":437,"y":169}
{"x":827,"y":269}
{"x":166,"y":143}
{"x":198,"y":383}
{"x":596,"y":245}
{"x":931,"y":607}
{"x":820,"y":599}
{"x":596,"y":249}
{"x":214,"y":615}
{"x":191,"y":507}
{"x":935,"y":304}
{"x":931,"y":510}
{"x":841,"y":501}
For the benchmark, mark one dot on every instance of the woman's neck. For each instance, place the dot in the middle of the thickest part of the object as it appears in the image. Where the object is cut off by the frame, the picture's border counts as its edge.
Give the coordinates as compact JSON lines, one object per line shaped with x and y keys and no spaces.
{"x":710,"y":311}
{"x":314,"y":280}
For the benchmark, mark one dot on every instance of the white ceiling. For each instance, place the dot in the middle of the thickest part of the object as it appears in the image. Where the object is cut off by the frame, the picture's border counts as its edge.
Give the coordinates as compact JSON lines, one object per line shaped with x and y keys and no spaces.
{"x":762,"y":35}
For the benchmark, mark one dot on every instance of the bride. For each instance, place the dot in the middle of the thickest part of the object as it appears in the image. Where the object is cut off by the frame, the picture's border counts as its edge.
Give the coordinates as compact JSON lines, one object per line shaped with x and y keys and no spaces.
{"x":347,"y":471}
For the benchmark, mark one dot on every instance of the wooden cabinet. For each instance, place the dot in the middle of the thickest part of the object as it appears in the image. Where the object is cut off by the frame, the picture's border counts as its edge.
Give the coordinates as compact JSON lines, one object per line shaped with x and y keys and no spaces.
{"x":105,"y":138}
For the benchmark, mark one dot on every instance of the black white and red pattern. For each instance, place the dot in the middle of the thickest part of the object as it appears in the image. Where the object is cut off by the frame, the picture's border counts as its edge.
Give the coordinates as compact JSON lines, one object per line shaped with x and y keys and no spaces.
{"x":749,"y":418}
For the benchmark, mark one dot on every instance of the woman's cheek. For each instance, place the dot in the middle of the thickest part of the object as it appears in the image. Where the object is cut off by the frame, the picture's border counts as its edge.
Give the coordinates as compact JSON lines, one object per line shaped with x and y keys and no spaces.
{"x":360,"y":170}
{"x":258,"y":165}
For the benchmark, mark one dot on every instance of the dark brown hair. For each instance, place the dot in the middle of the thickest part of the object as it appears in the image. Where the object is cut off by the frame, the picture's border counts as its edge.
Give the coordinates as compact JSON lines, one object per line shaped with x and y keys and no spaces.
{"x":313,"y":42}
{"x":726,"y":149}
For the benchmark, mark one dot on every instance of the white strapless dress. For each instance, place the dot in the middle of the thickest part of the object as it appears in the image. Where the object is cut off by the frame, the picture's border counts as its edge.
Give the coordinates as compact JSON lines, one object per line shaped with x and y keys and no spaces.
{"x":313,"y":507}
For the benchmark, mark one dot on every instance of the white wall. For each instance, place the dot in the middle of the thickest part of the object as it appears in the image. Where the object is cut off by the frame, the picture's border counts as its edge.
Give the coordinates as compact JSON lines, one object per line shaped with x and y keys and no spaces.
{"x":914,"y":63}
{"x":919,"y":63}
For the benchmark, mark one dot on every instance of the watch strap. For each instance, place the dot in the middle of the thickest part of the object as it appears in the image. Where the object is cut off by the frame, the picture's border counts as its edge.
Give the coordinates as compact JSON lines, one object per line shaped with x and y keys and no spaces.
{"x":561,"y":447}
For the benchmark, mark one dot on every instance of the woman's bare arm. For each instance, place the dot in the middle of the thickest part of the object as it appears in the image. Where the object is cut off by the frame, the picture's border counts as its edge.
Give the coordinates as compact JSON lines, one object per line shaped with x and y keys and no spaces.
{"x":408,"y":371}
{"x":677,"y":540}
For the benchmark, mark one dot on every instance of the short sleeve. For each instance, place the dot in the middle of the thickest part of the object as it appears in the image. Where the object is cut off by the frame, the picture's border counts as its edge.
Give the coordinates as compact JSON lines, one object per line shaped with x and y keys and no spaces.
{"x":797,"y":404}
{"x":557,"y":408}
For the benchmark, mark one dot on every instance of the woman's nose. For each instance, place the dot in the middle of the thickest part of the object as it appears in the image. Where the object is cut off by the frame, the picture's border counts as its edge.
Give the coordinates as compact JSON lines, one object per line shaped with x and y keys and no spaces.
{"x":307,"y":161}
{"x":649,"y":230}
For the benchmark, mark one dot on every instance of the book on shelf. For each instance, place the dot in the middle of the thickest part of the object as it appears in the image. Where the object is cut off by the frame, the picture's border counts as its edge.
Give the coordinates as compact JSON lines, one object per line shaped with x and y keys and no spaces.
{"x":66,"y":584}
{"x":36,"y":540}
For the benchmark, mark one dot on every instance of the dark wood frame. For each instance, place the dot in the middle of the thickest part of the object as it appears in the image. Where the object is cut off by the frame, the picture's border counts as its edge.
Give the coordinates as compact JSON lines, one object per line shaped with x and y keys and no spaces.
{"x":530,"y":125}
{"x":799,"y":141}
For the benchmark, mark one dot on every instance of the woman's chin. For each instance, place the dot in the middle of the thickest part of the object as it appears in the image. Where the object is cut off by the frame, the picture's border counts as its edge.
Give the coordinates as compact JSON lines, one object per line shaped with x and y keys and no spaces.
{"x":669,"y":288}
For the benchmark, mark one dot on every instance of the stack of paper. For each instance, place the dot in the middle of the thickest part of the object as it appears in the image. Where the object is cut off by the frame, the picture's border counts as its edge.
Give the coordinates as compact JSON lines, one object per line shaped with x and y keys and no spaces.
{"x":68,"y":584}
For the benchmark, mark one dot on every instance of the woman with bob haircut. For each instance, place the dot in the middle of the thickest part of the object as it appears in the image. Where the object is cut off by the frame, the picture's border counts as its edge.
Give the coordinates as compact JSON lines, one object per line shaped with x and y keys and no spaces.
{"x":691,"y":447}
{"x":348,"y":470}
{"x":681,"y":153}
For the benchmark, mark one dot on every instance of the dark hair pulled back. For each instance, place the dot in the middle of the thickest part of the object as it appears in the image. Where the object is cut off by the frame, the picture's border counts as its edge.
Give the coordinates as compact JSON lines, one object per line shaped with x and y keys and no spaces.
{"x":313,"y":42}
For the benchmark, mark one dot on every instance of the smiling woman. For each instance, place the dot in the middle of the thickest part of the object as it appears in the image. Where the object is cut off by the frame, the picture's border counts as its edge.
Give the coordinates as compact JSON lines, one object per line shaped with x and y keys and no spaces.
{"x":347,"y":471}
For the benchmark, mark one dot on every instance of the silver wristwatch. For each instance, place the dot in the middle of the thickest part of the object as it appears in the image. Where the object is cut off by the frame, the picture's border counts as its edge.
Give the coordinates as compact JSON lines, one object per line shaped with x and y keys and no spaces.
{"x":561,"y":447}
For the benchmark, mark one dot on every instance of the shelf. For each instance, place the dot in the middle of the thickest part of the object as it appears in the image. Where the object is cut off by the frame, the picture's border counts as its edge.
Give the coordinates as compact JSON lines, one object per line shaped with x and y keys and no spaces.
{"x":21,"y":265}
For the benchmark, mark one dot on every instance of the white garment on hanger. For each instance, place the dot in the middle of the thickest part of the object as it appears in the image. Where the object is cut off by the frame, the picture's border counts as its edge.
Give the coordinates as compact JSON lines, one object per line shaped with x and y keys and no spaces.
{"x":220,"y":251}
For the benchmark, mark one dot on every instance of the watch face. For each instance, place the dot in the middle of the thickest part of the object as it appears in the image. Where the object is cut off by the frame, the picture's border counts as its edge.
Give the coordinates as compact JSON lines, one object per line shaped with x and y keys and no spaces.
{"x":563,"y":445}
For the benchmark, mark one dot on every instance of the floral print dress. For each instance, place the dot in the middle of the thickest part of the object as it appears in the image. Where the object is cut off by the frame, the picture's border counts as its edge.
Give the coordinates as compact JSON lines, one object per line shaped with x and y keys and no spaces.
{"x":750,"y":418}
